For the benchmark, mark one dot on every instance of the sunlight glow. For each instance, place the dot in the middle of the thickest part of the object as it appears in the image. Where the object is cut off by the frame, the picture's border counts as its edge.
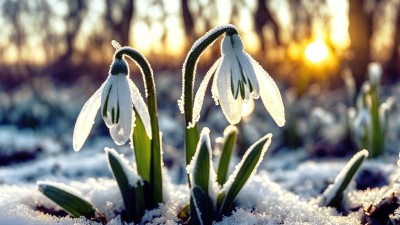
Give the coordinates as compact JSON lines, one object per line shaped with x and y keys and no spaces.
{"x":316,"y":51}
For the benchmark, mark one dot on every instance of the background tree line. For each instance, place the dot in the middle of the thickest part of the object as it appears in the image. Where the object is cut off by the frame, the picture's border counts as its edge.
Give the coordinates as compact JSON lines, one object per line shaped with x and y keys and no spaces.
{"x":64,"y":39}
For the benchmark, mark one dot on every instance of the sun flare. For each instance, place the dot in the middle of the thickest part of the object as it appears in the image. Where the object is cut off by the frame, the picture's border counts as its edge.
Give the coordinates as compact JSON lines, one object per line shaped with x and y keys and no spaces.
{"x":316,"y":51}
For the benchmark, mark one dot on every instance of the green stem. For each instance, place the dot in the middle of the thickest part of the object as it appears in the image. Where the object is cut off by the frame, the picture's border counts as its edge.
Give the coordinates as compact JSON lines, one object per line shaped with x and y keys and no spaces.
{"x":377,"y":142}
{"x":189,"y":69}
{"x":155,"y":165}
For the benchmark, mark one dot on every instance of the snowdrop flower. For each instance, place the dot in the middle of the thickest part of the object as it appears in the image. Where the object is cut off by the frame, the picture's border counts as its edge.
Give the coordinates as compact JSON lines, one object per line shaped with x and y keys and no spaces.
{"x":237,"y":78}
{"x":116,"y":97}
{"x":374,"y":73}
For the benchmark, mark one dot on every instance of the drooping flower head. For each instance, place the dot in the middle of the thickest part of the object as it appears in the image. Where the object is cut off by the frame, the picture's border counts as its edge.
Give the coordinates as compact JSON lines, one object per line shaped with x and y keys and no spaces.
{"x":237,"y":78}
{"x":117,"y":97}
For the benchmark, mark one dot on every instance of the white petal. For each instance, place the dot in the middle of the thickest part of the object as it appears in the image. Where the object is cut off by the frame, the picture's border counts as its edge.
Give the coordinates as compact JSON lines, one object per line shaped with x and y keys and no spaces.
{"x":201,"y":91}
{"x":231,"y":108}
{"x":214,"y":89}
{"x":236,"y":75}
{"x":122,"y":130}
{"x":108,"y":96}
{"x":270,"y":94}
{"x":238,"y":43}
{"x":226,"y":46}
{"x":140,"y":107}
{"x":85,"y":120}
{"x":248,"y":65}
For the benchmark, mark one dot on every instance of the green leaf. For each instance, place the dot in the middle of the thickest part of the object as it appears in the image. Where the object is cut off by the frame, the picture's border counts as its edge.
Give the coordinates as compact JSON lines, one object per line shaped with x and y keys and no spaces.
{"x":245,"y":169}
{"x":191,"y":140}
{"x":141,"y":145}
{"x":333,"y":195}
{"x":201,"y":165}
{"x":132,"y":194}
{"x":230,"y":135}
{"x":156,"y":182}
{"x":199,"y":174}
{"x":201,"y":209}
{"x":72,"y":203}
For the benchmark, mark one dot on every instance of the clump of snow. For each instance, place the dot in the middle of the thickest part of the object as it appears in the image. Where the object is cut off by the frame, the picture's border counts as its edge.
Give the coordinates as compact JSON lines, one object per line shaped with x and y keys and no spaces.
{"x":264,"y":202}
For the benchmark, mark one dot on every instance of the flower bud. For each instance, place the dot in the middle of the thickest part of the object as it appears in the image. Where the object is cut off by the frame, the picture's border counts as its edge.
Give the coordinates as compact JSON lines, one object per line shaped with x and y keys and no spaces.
{"x":119,"y":66}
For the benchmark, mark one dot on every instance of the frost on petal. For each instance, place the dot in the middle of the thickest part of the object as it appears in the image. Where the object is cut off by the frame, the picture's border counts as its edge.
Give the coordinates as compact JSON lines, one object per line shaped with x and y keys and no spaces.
{"x":231,"y":107}
{"x":199,"y":98}
{"x":85,"y":120}
{"x":270,"y":94}
{"x":140,"y":107}
{"x":214,"y":89}
{"x":122,"y":130}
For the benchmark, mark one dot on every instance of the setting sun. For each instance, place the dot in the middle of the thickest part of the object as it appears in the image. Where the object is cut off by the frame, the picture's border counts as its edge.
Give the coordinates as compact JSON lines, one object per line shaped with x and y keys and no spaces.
{"x":316,"y":51}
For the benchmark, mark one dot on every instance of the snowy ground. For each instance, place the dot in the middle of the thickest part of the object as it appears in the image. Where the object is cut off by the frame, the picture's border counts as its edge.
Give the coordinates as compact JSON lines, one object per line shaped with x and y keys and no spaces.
{"x":35,"y":145}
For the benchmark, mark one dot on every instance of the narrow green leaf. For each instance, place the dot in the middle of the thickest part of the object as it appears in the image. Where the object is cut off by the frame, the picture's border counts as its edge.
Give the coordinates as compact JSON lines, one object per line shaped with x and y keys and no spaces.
{"x":191,"y":140}
{"x":220,"y":199}
{"x":230,"y":135}
{"x":69,"y":201}
{"x":131,"y":189}
{"x":201,"y":211}
{"x":246,"y":168}
{"x":333,"y":195}
{"x":201,"y":167}
{"x":156,"y":182}
{"x":141,"y":145}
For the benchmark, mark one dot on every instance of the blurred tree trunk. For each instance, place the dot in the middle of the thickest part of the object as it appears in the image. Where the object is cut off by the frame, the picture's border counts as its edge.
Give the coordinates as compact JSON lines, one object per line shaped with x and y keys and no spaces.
{"x":188,"y":21}
{"x":62,"y":69}
{"x":392,"y":69}
{"x":263,"y":17}
{"x":122,"y":24}
{"x":360,"y":32}
{"x":74,"y":20}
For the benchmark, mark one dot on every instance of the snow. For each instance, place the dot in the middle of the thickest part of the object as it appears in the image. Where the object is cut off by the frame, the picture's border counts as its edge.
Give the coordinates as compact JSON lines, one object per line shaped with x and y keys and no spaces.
{"x":283,"y":191}
{"x":265,"y":202}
